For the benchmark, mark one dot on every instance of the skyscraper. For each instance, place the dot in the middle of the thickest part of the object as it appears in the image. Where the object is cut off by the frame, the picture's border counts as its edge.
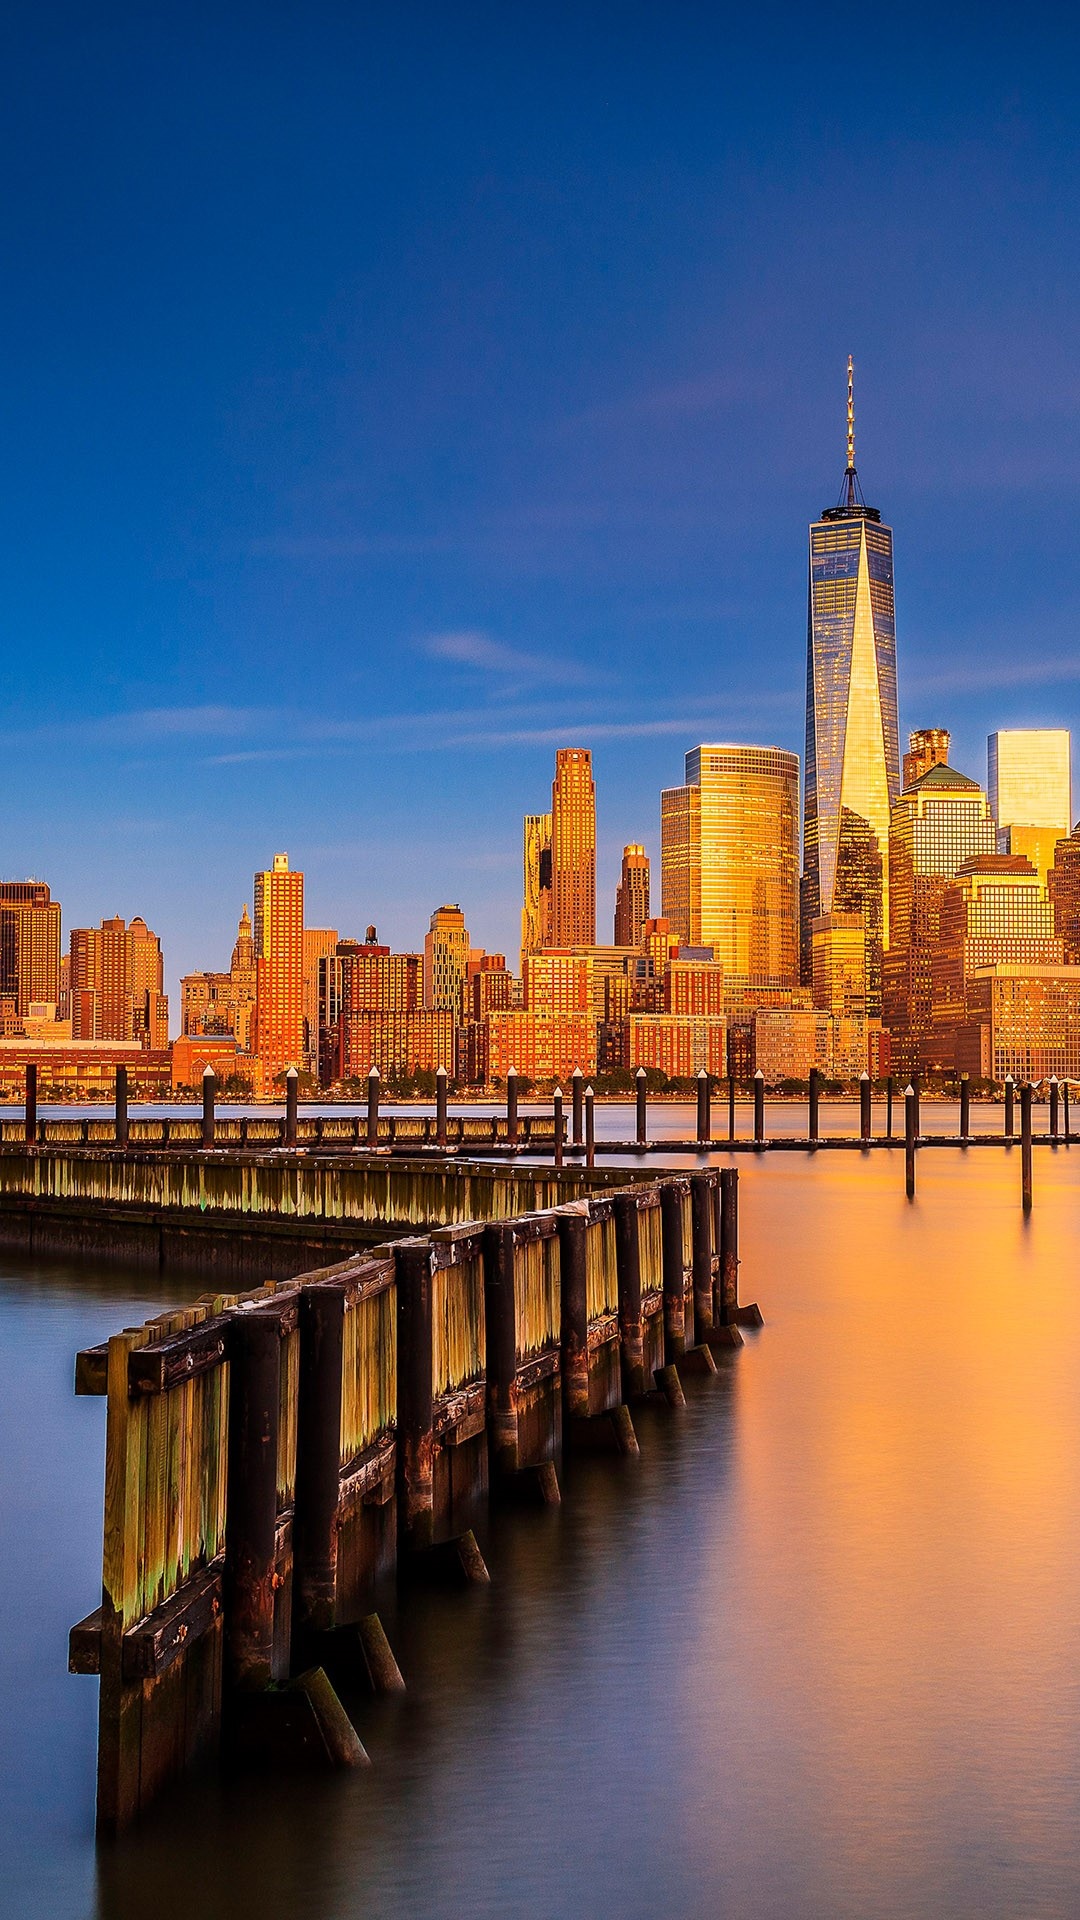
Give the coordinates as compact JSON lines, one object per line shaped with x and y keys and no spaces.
{"x":927,"y":747}
{"x":446,"y":957}
{"x":116,"y":979}
{"x":938,"y":823}
{"x":729,"y":864}
{"x":536,"y":889}
{"x":852,"y":731}
{"x":632,"y":897}
{"x":573,"y":850}
{"x":319,"y":942}
{"x":279,"y":968}
{"x":29,"y":944}
{"x":1030,"y":787}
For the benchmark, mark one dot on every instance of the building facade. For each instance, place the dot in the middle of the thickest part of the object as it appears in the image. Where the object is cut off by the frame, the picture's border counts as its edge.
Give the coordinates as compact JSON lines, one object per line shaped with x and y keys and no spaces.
{"x":938,"y":823}
{"x":573,"y":850}
{"x":116,"y":982}
{"x":730,"y":864}
{"x":632,"y":897}
{"x":852,"y":769}
{"x":279,"y":971}
{"x":996,"y":910}
{"x":29,"y":944}
{"x":536,"y":879}
{"x":446,"y":958}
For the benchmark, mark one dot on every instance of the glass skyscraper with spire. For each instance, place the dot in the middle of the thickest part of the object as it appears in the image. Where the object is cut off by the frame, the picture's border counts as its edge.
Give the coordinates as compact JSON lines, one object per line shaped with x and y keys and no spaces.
{"x":852,"y":768}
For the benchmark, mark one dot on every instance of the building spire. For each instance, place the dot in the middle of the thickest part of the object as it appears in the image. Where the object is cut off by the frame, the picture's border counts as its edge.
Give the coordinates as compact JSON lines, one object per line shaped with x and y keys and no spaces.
{"x":851,"y":494}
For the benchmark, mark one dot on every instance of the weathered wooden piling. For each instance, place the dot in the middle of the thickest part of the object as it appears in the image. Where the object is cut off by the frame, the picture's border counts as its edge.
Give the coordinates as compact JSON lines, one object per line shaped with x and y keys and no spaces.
{"x":864,"y":1106}
{"x":415,"y":1408}
{"x":500,"y":1312}
{"x":674,"y":1272}
{"x":731,"y":1106}
{"x":251,"y":1501}
{"x":1054,"y":1108}
{"x":373,"y":1107}
{"x":910,"y":1137}
{"x":813,"y":1123}
{"x":292,"y":1095}
{"x":121,"y":1106}
{"x":577,"y":1092}
{"x":701,"y":1255}
{"x":704,"y":1118}
{"x":590,"y":1127}
{"x":30,"y":1120}
{"x":641,"y":1089}
{"x":1025,"y":1146}
{"x":559,"y":1124}
{"x":440,"y":1108}
{"x":209,"y":1090}
{"x":728,"y":1286}
{"x":628,"y":1271}
{"x":916,"y":1090}
{"x":890,"y":1085}
{"x":965,"y":1107}
{"x":574,"y":1310}
{"x":318,"y":1432}
{"x":759,"y":1106}
{"x":511,"y":1107}
{"x":1065,"y":1109}
{"x":1010,"y":1095}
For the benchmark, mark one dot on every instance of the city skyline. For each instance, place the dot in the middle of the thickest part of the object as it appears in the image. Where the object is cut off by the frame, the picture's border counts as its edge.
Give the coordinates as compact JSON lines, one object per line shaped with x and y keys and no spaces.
{"x":561,"y":485}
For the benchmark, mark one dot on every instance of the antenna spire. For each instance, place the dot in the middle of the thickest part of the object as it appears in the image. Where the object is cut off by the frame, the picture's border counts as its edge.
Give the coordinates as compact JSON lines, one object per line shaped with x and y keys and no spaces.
{"x":851,"y":495}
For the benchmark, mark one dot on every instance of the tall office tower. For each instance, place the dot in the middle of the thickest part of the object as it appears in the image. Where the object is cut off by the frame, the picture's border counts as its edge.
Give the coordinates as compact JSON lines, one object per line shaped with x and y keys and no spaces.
{"x":446,"y":957}
{"x":995,"y":911}
{"x":279,"y":971}
{"x":319,"y":942}
{"x":29,"y":944}
{"x":573,"y":850}
{"x":536,"y":894}
{"x":927,"y":747}
{"x":1064,"y":886}
{"x":938,"y":823}
{"x":838,"y":948}
{"x":116,"y":978}
{"x":852,"y":730}
{"x":729,"y":864}
{"x":1030,"y":787}
{"x":632,"y":897}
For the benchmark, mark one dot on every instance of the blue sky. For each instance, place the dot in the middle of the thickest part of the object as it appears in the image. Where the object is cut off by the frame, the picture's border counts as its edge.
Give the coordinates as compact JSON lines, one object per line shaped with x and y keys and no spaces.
{"x":392,"y":394}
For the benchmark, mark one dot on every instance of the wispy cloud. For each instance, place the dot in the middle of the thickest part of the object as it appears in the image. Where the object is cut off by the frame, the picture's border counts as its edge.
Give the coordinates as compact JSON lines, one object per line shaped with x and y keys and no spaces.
{"x":982,"y":675}
{"x":468,"y":647}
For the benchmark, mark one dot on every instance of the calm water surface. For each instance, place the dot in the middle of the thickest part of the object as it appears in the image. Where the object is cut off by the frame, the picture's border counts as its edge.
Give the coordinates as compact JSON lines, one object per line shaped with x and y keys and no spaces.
{"x":816,"y":1654}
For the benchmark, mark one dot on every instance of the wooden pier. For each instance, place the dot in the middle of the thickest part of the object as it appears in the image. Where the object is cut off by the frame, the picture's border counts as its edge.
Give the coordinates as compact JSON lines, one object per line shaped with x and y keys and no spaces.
{"x":271,"y":1456}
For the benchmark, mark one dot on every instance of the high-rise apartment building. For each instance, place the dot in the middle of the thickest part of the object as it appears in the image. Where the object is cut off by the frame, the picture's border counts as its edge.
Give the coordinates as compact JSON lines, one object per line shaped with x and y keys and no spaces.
{"x":938,"y":823}
{"x":116,"y":979}
{"x":573,"y":850}
{"x":29,"y":944}
{"x":319,"y":943}
{"x":730,"y":864}
{"x":852,"y":770}
{"x":632,"y":897}
{"x":927,"y":747}
{"x":446,"y":959}
{"x":279,"y":967}
{"x":536,"y":879}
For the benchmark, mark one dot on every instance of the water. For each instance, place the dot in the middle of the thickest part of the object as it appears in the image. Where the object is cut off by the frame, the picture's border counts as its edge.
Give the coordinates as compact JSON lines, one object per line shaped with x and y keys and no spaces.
{"x":815,"y":1654}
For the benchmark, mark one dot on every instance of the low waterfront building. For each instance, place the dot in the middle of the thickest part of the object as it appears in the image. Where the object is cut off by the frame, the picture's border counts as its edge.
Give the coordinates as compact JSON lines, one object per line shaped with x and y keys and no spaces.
{"x":1022,"y":1020}
{"x":678,"y":1045}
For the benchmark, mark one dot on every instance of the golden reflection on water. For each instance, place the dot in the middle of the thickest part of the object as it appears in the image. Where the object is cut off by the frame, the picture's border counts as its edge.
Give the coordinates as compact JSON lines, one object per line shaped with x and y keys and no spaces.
{"x":815,"y":1655}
